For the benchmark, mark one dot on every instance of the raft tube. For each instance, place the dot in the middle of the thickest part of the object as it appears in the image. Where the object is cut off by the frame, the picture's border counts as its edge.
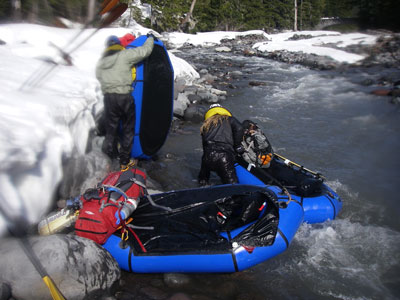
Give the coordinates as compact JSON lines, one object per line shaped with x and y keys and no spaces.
{"x":153,"y":92}
{"x":231,"y":250}
{"x":319,"y":205}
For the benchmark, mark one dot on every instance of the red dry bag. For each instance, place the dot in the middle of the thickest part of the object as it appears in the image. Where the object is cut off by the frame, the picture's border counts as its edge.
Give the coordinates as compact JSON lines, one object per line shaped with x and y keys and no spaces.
{"x":96,"y":220}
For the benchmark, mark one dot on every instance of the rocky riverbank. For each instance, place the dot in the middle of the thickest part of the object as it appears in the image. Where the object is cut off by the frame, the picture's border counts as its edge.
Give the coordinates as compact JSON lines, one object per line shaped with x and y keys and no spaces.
{"x":214,"y":81}
{"x":217,"y":77}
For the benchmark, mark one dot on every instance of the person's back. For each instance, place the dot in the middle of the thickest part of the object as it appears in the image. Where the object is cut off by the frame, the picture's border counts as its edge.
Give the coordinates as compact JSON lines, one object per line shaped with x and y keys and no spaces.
{"x":114,"y":72}
{"x":114,"y":69}
{"x":221,"y":136}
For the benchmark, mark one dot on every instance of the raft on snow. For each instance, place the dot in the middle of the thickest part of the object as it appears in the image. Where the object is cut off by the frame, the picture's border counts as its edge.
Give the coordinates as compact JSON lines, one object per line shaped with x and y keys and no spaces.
{"x":223,"y":228}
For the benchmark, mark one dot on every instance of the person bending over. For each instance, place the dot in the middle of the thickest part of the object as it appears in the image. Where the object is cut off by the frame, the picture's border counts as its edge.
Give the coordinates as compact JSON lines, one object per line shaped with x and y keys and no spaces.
{"x":221,"y":137}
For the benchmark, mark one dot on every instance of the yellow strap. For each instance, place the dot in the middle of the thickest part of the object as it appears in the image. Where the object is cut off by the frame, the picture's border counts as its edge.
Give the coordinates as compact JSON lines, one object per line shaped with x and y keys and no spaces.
{"x":123,"y":236}
{"x":133,"y":73}
{"x":55,"y":293}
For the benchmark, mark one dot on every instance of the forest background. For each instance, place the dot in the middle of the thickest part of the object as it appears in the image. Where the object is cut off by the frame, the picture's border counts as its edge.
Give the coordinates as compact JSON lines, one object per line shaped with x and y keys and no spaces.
{"x":193,"y":16}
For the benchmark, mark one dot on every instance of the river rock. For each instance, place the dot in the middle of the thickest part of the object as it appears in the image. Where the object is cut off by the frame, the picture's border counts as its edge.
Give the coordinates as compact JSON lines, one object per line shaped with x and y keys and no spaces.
{"x":79,"y":267}
{"x":5,"y":291}
{"x":179,"y":296}
{"x":179,"y":86}
{"x":208,"y":97}
{"x":385,"y":52}
{"x":85,"y":171}
{"x":195,"y":113}
{"x":207,"y":78}
{"x":176,"y":279}
{"x":223,"y":49}
{"x":218,"y":92}
{"x":194,"y":98}
{"x":180,"y":105}
{"x":153,"y":293}
{"x":258,"y":83}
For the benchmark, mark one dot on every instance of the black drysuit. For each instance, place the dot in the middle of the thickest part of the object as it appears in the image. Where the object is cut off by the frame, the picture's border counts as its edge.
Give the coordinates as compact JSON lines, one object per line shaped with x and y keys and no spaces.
{"x":219,"y":145}
{"x":119,"y":107}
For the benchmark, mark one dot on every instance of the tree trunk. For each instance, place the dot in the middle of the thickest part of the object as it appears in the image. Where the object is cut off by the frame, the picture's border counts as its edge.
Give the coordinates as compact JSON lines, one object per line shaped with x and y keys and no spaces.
{"x":34,"y":12}
{"x":295,"y":16}
{"x":91,"y":9}
{"x":49,"y":11}
{"x":188,"y":16}
{"x":16,"y":9}
{"x":301,"y":14}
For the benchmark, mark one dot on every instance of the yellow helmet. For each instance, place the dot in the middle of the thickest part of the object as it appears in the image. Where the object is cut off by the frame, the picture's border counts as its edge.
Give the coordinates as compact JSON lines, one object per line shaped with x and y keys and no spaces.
{"x":216,"y":109}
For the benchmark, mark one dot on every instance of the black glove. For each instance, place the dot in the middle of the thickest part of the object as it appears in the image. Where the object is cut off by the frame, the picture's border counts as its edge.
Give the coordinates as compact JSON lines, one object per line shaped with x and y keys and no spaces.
{"x":239,"y":150}
{"x":152,"y":35}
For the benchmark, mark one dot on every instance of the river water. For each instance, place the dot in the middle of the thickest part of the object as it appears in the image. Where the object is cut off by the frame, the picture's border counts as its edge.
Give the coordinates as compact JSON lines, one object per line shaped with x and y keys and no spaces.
{"x":326,"y":121}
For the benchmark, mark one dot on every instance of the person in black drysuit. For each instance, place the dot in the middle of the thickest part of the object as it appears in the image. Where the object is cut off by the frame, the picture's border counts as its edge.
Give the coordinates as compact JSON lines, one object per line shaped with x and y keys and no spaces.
{"x":222,"y":135}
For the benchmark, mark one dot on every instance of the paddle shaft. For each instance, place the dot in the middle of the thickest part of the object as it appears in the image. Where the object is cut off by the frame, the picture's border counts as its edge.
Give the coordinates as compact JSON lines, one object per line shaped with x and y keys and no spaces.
{"x":16,"y":232}
{"x":287,"y":162}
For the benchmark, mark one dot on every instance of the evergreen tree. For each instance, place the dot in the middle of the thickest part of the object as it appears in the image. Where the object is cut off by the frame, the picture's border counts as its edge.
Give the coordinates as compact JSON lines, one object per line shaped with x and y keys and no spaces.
{"x":253,"y":15}
{"x":167,"y":15}
{"x":210,"y":15}
{"x":341,"y":8}
{"x":310,"y":13}
{"x":380,"y":14}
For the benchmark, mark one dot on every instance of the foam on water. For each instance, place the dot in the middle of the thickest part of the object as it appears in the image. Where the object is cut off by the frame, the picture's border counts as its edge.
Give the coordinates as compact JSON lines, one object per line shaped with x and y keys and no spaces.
{"x":357,"y":256}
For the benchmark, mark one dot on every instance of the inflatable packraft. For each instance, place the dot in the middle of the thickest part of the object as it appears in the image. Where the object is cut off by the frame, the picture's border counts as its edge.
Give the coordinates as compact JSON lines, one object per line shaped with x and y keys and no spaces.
{"x":223,"y":228}
{"x":154,"y":98}
{"x":291,"y":181}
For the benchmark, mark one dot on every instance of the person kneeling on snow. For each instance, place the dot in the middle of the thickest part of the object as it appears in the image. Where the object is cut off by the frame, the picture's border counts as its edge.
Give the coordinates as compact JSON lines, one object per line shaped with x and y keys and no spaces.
{"x":258,"y":150}
{"x":221,"y":136}
{"x":114,"y":71}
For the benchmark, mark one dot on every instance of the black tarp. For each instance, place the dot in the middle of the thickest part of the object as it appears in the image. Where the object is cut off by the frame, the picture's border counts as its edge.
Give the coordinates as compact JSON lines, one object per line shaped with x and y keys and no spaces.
{"x":195,"y":222}
{"x":157,"y":101}
{"x":295,"y":180}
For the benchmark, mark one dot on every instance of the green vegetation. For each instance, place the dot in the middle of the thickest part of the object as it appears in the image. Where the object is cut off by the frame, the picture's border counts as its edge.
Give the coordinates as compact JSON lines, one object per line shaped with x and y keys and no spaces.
{"x":210,"y":15}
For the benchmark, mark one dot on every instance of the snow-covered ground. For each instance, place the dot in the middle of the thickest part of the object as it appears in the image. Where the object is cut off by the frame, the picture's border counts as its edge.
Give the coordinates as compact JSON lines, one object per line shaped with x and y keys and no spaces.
{"x":43,"y":124}
{"x":312,"y":45}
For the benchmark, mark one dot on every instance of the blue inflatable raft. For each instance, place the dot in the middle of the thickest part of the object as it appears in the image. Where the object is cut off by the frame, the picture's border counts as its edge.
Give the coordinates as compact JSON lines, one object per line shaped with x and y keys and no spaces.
{"x":225,"y":228}
{"x":289,"y":180}
{"x":154,"y":98}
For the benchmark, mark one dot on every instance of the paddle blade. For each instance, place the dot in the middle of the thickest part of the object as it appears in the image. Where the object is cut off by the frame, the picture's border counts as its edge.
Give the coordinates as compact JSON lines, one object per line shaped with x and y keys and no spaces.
{"x":114,"y":14}
{"x":107,"y":6}
{"x":55,"y":292}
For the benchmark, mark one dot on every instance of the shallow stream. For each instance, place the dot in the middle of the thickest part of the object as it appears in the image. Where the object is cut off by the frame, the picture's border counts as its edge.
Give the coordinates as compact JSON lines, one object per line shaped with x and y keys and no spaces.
{"x":327,"y":121}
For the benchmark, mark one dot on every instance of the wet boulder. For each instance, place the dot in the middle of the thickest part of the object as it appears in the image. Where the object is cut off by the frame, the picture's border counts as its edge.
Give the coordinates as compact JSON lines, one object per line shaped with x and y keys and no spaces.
{"x":180,"y":105}
{"x":84,"y":171}
{"x":80,"y":268}
{"x":195,"y":113}
{"x":223,"y":49}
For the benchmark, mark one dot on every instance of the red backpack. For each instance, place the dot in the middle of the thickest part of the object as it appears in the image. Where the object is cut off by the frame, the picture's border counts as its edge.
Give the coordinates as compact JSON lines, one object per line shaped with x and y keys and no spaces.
{"x":97,"y":217}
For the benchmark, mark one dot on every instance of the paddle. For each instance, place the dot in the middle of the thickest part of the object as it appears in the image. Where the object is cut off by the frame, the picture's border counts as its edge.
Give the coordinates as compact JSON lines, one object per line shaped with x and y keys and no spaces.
{"x":110,"y":11}
{"x":291,"y":163}
{"x":19,"y":231}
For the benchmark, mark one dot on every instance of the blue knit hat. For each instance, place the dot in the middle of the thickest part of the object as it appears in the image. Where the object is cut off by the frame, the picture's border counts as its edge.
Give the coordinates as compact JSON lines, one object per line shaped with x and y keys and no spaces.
{"x":112,"y":40}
